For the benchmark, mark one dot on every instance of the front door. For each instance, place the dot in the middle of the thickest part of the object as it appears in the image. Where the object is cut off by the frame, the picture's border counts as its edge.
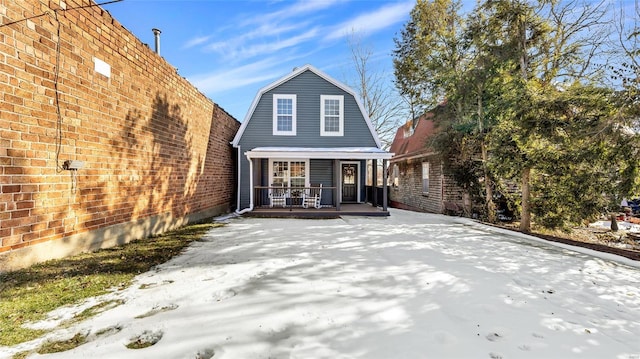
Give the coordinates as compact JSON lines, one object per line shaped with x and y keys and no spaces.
{"x":349,"y":182}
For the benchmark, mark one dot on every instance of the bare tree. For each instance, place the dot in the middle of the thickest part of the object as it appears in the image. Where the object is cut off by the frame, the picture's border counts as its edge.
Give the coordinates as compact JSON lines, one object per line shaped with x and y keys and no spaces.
{"x":383,"y":104}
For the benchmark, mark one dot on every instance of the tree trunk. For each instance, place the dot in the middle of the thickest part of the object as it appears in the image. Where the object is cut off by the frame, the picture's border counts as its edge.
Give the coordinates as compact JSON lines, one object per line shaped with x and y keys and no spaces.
{"x":488,"y":190}
{"x":614,"y":224}
{"x":525,"y":216}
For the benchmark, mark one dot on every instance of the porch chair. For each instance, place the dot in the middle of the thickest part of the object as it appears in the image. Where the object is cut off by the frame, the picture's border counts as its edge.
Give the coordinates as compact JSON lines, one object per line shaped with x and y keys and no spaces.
{"x":312,"y":196}
{"x":277,"y":195}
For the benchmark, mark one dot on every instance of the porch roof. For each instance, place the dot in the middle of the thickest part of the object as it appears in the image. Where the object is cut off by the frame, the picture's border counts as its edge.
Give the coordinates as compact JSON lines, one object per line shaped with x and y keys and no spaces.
{"x":354,"y":153}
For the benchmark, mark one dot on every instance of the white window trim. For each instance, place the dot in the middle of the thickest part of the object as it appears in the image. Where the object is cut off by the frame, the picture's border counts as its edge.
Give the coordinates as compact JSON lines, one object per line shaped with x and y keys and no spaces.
{"x":428,"y":176}
{"x":277,"y":97}
{"x":307,"y":171}
{"x":395,"y":173}
{"x":341,"y":119}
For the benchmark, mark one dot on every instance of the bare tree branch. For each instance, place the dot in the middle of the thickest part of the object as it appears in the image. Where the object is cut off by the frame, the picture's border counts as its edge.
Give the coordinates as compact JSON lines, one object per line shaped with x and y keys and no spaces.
{"x":383,"y":104}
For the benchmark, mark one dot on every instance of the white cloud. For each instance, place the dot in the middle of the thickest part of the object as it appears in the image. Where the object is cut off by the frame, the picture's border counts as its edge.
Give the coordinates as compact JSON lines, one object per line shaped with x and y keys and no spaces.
{"x":237,"y":77}
{"x":263,"y":31}
{"x":271,"y":47}
{"x":373,"y":21}
{"x":298,"y":8}
{"x":243,"y":47}
{"x":196,"y":41}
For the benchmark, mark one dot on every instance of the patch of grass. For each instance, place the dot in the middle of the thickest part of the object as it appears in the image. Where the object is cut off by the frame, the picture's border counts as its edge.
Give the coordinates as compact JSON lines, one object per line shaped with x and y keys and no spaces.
{"x":156,"y":310}
{"x":62,"y":345}
{"x":27,"y":295}
{"x":145,"y":340}
{"x":21,"y":355}
{"x":96,"y":309}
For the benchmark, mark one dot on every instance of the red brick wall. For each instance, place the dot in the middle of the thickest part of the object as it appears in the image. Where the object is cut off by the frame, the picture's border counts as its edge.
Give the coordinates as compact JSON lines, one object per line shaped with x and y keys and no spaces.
{"x":151,"y":143}
{"x":408,"y":194}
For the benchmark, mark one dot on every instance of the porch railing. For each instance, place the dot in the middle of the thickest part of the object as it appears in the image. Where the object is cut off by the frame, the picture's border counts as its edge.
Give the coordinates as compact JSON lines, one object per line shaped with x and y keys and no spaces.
{"x":290,"y":197}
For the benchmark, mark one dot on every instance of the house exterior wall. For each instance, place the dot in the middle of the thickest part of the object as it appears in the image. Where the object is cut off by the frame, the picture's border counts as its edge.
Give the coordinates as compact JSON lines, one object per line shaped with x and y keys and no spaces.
{"x":322,"y":173}
{"x":156,"y":151}
{"x":308,"y":87}
{"x":408,"y":194}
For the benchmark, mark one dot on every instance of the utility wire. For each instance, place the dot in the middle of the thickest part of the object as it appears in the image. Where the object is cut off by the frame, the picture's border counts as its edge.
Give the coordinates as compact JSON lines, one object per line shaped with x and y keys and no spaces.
{"x":58,"y":140}
{"x":56,"y":10}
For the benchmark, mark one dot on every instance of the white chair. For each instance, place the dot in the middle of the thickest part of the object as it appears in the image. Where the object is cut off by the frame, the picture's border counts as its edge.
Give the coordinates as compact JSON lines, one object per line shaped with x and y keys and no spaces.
{"x":277,"y":195}
{"x":312,"y":197}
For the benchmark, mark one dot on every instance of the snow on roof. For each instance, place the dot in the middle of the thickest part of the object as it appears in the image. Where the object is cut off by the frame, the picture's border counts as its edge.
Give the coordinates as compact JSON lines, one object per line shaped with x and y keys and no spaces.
{"x":320,"y":152}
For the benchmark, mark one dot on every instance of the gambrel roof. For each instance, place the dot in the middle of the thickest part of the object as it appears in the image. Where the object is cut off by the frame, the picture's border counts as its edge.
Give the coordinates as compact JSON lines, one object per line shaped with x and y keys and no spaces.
{"x":293,"y":74}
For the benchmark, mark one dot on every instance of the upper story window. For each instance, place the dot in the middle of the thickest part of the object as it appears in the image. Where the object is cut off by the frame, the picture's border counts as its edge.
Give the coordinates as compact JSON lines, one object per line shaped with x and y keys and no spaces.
{"x":284,"y":115}
{"x":331,"y":115}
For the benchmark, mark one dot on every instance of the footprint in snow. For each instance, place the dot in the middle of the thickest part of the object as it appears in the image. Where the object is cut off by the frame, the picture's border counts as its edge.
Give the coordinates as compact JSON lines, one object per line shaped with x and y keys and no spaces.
{"x":205,"y":354}
{"x":216,"y":276}
{"x":224,"y":294}
{"x":145,"y":339}
{"x":105,"y":332}
{"x":493,"y":337}
{"x":152,"y":285}
{"x":155,"y":310}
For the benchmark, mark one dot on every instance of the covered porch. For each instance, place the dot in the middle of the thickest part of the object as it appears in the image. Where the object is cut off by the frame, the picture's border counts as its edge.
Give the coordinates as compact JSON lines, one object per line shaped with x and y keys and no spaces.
{"x":315,"y":182}
{"x":349,"y":209}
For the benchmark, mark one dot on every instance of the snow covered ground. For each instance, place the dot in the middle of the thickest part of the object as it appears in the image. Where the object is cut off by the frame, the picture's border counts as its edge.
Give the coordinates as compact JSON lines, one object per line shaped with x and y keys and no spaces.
{"x":408,"y":286}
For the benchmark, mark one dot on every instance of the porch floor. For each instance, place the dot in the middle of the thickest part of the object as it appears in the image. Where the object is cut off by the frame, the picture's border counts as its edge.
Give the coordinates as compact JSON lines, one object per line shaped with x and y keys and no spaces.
{"x":350,"y":209}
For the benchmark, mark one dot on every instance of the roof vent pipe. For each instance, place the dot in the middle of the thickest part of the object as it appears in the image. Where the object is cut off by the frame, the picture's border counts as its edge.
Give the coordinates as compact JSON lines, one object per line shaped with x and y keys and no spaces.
{"x":156,"y":33}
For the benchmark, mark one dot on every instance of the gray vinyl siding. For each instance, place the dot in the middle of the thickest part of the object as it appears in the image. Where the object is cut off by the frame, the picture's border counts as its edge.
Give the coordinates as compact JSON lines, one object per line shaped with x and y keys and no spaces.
{"x":322,"y":172}
{"x":307,"y":87}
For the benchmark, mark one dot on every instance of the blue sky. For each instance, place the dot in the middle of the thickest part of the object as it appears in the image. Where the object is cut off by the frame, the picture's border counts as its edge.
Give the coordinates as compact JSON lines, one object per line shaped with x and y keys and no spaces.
{"x":230,"y":49}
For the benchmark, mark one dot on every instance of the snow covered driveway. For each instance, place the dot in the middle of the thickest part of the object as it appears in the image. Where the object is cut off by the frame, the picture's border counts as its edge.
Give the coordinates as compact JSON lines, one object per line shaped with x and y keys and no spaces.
{"x":408,"y":286}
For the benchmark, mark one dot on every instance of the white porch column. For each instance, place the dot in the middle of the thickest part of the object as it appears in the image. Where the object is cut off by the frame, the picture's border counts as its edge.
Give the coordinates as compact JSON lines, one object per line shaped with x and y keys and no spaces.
{"x":374,"y":183}
{"x":384,"y":185}
{"x":251,"y":189}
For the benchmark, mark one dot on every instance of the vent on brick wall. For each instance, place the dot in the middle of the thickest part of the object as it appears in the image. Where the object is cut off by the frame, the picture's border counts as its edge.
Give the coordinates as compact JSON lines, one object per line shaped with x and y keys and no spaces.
{"x":156,"y":34}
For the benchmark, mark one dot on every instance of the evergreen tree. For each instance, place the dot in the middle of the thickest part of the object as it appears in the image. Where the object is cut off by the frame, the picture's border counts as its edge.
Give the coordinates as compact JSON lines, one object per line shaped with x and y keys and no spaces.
{"x":523,"y":103}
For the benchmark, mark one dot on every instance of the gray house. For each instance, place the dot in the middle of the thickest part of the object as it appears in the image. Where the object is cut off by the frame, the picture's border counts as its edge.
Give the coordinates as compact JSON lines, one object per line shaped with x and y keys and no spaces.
{"x":305,"y":143}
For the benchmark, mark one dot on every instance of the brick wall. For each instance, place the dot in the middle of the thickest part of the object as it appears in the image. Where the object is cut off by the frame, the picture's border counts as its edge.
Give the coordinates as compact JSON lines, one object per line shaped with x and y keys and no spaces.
{"x":155,"y":150}
{"x":409,"y":195}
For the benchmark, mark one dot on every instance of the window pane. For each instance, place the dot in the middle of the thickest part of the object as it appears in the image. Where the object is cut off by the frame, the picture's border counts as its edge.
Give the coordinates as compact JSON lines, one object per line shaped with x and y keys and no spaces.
{"x":349,"y":174}
{"x":425,"y":177}
{"x":297,"y":182}
{"x":332,"y":124}
{"x":281,"y":172}
{"x":396,"y":176}
{"x":285,"y":106}
{"x":297,"y":169}
{"x":289,"y":174}
{"x":332,"y":115}
{"x":332,"y":107}
{"x":285,"y":123}
{"x":285,"y":114}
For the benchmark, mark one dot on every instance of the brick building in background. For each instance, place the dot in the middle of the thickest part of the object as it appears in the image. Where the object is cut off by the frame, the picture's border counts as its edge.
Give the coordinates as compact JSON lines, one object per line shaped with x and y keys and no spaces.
{"x":419,"y":180}
{"x":75,"y":85}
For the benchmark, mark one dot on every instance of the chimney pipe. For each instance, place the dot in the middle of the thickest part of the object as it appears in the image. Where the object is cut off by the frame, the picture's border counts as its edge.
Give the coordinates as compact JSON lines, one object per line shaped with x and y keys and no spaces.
{"x":156,"y":33}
